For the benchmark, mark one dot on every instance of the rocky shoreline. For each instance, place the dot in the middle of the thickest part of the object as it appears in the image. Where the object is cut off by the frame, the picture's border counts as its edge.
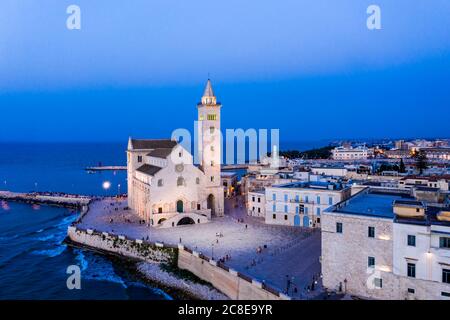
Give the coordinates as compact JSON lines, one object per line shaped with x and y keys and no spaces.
{"x":154,"y":275}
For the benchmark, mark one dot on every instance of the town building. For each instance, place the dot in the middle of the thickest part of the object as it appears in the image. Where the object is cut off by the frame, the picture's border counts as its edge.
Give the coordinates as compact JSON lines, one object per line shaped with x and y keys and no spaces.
{"x":165,"y":187}
{"x":348,"y":153}
{"x":256,"y":203}
{"x":229,"y":182}
{"x":384,"y":244}
{"x":302,"y":203}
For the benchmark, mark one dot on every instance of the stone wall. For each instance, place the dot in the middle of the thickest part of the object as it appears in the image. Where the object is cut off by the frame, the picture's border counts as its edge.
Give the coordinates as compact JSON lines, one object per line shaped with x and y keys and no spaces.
{"x":121,"y":245}
{"x":234,"y":284}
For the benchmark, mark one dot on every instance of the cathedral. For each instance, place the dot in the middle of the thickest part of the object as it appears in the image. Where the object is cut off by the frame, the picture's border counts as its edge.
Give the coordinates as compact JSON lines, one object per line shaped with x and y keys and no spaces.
{"x":165,"y":187}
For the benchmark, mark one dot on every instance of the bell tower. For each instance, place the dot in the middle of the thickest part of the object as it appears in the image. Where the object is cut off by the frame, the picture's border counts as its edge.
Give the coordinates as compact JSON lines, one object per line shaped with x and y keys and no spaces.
{"x":210,"y":151}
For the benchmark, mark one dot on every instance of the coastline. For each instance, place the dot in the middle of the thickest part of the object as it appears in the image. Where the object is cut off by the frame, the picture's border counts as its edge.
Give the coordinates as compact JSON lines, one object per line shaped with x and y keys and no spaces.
{"x":153,"y":274}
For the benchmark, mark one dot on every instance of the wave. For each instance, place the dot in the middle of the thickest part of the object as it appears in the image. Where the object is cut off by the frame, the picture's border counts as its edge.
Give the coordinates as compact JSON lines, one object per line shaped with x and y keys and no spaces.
{"x":97,"y":268}
{"x":51,"y":253}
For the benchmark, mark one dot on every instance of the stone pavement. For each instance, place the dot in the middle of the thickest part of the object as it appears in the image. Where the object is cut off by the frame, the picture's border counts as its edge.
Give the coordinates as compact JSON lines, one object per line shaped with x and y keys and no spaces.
{"x":267,"y":252}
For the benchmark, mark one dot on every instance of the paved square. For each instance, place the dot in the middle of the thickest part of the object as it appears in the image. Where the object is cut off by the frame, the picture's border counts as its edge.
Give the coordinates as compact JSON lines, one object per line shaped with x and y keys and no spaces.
{"x":263,"y":251}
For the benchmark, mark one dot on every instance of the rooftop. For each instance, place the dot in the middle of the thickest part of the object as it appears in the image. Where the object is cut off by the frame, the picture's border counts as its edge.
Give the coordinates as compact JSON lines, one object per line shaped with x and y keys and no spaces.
{"x":374,"y":204}
{"x":316,"y":185}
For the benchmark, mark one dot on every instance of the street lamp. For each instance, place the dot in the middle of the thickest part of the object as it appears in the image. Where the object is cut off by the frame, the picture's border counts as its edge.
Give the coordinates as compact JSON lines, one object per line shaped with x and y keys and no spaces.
{"x":106,"y":185}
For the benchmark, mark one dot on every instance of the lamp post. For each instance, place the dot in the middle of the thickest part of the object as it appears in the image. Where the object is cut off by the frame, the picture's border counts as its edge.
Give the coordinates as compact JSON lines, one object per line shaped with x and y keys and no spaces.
{"x":118,"y":189}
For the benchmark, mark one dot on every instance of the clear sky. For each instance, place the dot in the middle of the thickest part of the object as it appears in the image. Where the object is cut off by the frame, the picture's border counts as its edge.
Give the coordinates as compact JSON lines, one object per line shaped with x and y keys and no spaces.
{"x":310,"y":68}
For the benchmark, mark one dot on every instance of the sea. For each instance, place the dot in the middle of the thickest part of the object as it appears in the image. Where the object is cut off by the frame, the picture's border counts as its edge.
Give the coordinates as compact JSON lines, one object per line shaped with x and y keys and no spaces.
{"x":33,"y":259}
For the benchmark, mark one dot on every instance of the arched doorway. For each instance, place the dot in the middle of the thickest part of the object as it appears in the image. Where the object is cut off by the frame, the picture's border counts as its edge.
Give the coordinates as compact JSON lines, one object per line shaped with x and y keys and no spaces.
{"x":180,"y":206}
{"x":185,"y":220}
{"x":211,"y":204}
{"x":161,"y":220}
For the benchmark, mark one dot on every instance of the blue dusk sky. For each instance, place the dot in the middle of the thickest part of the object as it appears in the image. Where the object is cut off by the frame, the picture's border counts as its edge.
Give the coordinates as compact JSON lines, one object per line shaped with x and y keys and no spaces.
{"x":308,"y":67}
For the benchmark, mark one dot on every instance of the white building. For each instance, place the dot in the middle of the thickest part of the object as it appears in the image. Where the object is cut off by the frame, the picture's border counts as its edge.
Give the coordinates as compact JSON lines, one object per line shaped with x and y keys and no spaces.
{"x":302,"y":203}
{"x":256,"y":203}
{"x":350,"y":153}
{"x":165,"y":187}
{"x":384,"y":245}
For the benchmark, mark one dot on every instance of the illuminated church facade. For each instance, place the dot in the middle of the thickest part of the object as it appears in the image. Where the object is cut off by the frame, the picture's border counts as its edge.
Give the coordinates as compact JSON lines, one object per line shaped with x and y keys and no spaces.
{"x":165,"y":187}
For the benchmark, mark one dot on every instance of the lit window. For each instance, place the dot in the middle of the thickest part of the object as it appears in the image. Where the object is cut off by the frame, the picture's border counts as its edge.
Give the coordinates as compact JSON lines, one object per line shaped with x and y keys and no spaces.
{"x":201,"y":117}
{"x":212,"y":117}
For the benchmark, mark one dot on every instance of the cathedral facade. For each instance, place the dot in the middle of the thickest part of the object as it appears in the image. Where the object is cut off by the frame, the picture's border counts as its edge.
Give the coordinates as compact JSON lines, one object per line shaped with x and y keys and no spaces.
{"x":165,"y":187}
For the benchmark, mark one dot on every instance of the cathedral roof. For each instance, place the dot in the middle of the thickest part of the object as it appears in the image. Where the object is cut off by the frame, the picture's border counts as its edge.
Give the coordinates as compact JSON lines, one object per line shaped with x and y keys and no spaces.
{"x":208,"y":90}
{"x":160,"y":153}
{"x":149,"y":169}
{"x":151,"y":144}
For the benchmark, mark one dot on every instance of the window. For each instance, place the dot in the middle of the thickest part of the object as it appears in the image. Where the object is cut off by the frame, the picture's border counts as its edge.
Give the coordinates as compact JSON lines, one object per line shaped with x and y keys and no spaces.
{"x":318,"y":199}
{"x":296,"y":210}
{"x":371,"y":232}
{"x":180,"y":181}
{"x":444,"y":242}
{"x":285,"y":217}
{"x":339,"y":227}
{"x":445,"y":294}
{"x":253,"y":208}
{"x":274,"y":208}
{"x":259,"y":200}
{"x":318,"y":220}
{"x":160,"y":210}
{"x":306,"y":199}
{"x":212,"y":163}
{"x":201,"y":117}
{"x":253,"y":199}
{"x":286,"y":208}
{"x":285,"y":198}
{"x":212,"y":178}
{"x":197,"y":180}
{"x":274,"y":197}
{"x":274,"y":216}
{"x":211,"y":130}
{"x":306,"y":210}
{"x":160,"y":182}
{"x":330,"y":201}
{"x":371,"y":262}
{"x":212,"y":148}
{"x":212,"y":117}
{"x":318,"y":211}
{"x":411,"y":270}
{"x":411,"y":290}
{"x":378,"y":282}
{"x":180,"y":154}
{"x":259,"y":210}
{"x":198,"y":206}
{"x":297,"y":199}
{"x":446,"y":275}
{"x":411,"y":240}
{"x":139,"y":158}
